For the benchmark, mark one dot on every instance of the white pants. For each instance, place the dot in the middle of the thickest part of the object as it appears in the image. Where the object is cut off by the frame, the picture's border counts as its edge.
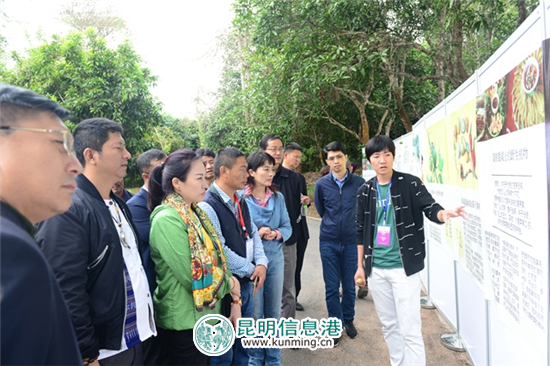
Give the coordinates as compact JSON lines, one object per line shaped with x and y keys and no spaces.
{"x":397,"y":302}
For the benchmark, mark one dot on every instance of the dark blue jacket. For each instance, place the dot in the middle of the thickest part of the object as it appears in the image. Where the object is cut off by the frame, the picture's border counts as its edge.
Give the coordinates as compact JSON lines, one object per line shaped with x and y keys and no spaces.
{"x":141,"y":216}
{"x":36,"y":325}
{"x":337,"y":208}
{"x":126,"y":195}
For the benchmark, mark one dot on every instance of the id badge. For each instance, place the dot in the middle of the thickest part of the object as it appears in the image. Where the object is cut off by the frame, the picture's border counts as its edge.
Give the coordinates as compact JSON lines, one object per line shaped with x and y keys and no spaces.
{"x":383,"y":235}
{"x":250,"y":250}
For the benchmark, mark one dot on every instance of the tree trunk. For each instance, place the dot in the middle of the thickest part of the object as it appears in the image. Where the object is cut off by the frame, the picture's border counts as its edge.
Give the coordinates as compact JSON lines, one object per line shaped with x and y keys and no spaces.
{"x":458,"y":44}
{"x":522,"y":11}
{"x":365,"y":135}
{"x":398,"y":95}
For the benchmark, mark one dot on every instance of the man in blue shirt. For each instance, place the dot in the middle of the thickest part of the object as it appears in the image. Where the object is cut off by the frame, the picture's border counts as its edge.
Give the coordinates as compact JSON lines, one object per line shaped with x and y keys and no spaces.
{"x":335,"y":197}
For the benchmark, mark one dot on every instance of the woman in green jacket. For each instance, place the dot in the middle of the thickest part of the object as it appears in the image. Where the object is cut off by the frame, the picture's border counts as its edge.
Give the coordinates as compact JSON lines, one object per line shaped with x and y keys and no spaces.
{"x":192,"y":273}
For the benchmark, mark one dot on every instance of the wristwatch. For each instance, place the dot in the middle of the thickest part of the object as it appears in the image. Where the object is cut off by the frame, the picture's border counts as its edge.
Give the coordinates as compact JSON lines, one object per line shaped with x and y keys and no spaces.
{"x":237,"y":302}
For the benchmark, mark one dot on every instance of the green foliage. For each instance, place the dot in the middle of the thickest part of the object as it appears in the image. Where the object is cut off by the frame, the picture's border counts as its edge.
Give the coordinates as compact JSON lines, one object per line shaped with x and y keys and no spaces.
{"x":316,"y":71}
{"x":91,"y":80}
{"x":173,"y":134}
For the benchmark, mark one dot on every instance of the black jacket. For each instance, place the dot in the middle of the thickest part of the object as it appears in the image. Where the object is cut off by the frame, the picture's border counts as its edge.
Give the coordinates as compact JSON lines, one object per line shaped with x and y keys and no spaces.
{"x":83,"y":248}
{"x":289,"y":185}
{"x":36,"y":326}
{"x":410,"y":200}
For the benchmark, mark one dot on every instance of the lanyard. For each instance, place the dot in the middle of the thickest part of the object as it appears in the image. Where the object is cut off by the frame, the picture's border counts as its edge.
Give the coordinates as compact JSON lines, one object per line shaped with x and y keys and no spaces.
{"x":241,"y":216}
{"x":384,"y":207}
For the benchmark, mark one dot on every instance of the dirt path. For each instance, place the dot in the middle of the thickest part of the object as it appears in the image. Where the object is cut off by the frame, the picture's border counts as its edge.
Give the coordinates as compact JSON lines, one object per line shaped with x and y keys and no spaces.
{"x":369,"y":348}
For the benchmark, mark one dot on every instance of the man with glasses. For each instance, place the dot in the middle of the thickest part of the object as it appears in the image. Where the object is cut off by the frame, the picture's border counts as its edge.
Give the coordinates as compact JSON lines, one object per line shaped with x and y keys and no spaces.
{"x":38,"y":169}
{"x":335,"y":197}
{"x":289,"y":185}
{"x":93,"y":250}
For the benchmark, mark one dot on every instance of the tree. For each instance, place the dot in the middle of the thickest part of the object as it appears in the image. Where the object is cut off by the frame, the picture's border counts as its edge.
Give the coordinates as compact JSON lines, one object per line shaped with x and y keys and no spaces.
{"x":91,"y":80}
{"x":173,"y":134}
{"x":326,"y":50}
{"x":321,"y":70}
{"x":83,"y":14}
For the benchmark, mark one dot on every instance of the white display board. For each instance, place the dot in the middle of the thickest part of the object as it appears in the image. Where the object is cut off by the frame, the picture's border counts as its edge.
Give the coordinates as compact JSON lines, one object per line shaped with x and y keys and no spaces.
{"x":485,"y":147}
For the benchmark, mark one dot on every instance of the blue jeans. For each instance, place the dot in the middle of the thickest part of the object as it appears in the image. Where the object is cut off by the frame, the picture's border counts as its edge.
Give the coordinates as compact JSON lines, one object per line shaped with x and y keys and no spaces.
{"x":267,"y":304}
{"x":237,"y":355}
{"x":339,"y":266}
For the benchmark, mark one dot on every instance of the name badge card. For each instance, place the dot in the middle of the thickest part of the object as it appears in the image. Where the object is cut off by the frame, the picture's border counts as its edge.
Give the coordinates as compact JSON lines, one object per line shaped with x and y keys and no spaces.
{"x":383,"y":235}
{"x":250,"y":250}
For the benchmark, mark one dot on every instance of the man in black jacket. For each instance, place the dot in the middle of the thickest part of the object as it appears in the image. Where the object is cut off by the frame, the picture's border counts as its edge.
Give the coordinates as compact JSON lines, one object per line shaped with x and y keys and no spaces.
{"x":390,"y":239}
{"x":38,"y":168}
{"x":93,"y":250}
{"x":292,"y":158}
{"x":289,"y":185}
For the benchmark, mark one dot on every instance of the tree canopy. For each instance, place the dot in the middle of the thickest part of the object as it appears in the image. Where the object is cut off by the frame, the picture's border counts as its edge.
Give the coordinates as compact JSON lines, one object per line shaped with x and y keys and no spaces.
{"x":315,"y":71}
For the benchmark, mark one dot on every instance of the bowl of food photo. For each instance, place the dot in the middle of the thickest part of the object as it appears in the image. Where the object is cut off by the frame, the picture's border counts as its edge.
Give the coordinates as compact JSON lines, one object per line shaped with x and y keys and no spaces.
{"x":495,"y":101}
{"x":531,"y":74}
{"x":495,"y":126}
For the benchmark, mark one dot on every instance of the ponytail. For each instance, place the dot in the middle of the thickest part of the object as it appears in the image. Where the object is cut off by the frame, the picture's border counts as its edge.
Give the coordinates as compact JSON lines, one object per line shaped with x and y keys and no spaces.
{"x":177,"y":165}
{"x":156,"y":193}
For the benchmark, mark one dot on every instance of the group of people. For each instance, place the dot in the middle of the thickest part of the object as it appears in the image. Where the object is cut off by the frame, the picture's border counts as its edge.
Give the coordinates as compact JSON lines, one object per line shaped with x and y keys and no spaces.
{"x":121,"y":280}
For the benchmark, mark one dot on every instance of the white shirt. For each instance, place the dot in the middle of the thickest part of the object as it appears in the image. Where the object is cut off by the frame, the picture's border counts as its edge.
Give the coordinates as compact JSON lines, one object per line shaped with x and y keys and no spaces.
{"x":144,"y":302}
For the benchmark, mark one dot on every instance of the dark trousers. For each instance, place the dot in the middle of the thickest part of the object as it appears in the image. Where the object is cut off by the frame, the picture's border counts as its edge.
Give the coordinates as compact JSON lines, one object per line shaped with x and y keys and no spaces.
{"x":178,"y":348}
{"x":151,"y":351}
{"x":130,"y":357}
{"x":301,"y":246}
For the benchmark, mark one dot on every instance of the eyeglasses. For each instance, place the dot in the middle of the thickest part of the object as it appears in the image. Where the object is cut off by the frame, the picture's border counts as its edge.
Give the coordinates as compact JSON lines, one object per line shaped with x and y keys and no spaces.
{"x":337,"y":157}
{"x":68,"y":143}
{"x":274,"y":149}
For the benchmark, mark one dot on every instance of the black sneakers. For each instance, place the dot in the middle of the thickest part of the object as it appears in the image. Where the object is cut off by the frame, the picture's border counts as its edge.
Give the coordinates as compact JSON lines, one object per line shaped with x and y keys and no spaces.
{"x":299,"y":306}
{"x":350,"y":329}
{"x":336,"y":342}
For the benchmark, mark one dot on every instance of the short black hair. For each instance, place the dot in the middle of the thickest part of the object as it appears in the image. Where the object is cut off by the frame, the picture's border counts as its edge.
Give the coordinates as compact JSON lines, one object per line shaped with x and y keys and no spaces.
{"x":93,"y":133}
{"x":226,"y":157}
{"x":291,"y":146}
{"x":377,"y":144}
{"x":17,"y":103}
{"x":335,"y":146}
{"x":144,"y":161}
{"x":269,"y":137}
{"x":205,"y":152}
{"x":255,"y":161}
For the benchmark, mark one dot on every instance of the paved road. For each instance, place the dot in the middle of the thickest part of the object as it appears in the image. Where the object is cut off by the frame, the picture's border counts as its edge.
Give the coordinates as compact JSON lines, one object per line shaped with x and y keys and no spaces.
{"x":369,"y":347}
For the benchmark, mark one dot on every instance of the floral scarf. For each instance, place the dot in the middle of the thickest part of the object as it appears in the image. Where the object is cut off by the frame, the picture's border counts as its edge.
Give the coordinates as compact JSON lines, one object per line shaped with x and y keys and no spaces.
{"x":207,"y":277}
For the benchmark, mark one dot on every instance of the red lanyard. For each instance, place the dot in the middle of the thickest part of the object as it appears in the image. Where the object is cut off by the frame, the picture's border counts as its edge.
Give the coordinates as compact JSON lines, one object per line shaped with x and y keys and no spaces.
{"x":241,"y":216}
